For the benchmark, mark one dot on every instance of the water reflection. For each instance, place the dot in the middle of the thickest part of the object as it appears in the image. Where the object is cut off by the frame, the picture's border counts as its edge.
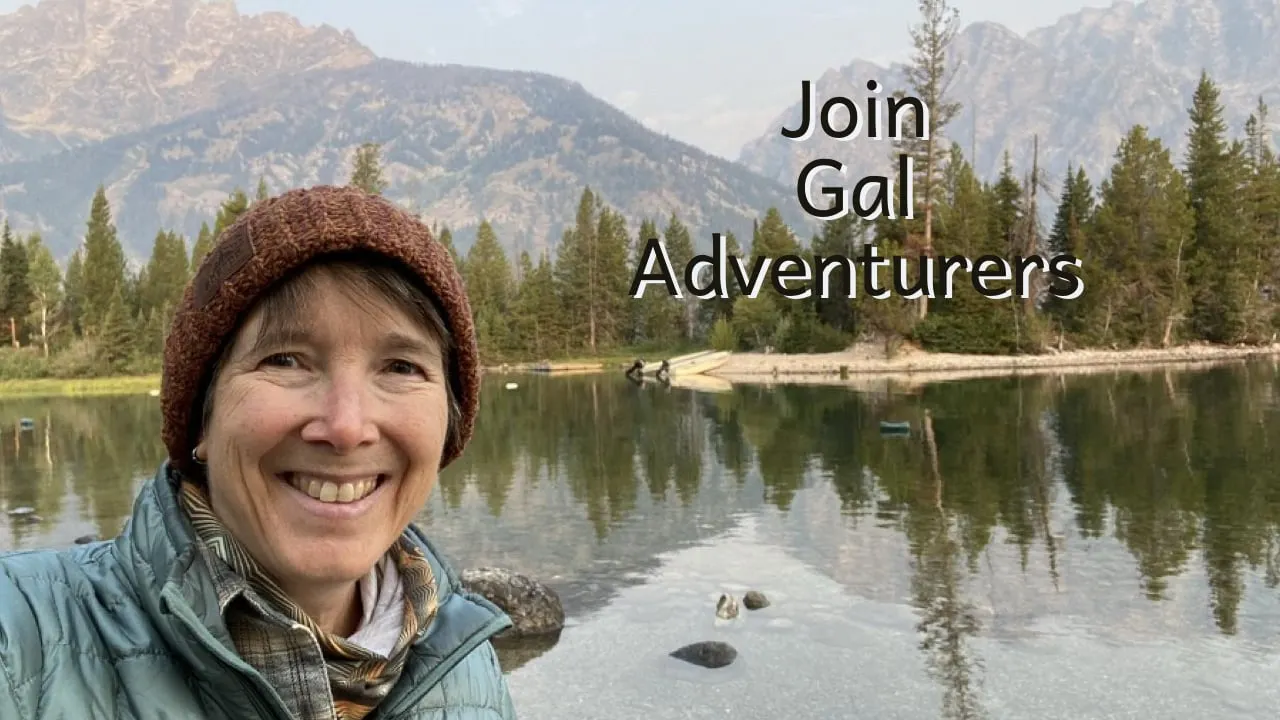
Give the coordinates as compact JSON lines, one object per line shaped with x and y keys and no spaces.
{"x":1135,"y":505}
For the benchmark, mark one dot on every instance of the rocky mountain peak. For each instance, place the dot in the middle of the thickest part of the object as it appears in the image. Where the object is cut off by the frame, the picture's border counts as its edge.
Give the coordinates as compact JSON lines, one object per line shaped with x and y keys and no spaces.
{"x":89,"y":69}
{"x":1076,"y":86}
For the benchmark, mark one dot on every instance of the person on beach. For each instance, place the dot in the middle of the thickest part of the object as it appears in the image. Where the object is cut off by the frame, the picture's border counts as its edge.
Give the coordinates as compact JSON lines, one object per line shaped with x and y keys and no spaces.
{"x":321,"y":370}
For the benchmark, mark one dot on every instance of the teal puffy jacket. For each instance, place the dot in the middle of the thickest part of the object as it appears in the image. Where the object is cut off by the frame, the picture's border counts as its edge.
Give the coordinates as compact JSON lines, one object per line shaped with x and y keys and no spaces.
{"x":130,"y":629}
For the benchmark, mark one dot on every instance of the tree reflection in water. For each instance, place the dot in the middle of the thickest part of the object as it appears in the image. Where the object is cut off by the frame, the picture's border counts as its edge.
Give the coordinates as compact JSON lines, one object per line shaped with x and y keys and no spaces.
{"x":584,"y":480}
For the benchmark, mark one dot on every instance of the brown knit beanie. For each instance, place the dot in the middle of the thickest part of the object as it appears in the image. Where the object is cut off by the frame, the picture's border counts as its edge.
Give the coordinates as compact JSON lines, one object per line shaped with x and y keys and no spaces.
{"x":275,"y":237}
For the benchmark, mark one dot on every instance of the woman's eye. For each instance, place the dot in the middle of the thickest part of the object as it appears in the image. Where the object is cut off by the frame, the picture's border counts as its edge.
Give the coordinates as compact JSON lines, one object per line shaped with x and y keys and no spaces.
{"x":281,"y":360}
{"x":404,"y":366}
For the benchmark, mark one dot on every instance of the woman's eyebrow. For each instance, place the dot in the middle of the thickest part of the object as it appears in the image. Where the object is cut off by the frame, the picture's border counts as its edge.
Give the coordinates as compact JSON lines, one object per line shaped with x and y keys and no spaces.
{"x":401,"y":342}
{"x":279,"y":334}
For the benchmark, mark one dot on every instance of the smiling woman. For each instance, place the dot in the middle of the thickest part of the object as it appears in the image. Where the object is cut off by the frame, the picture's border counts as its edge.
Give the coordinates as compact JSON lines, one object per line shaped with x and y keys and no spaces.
{"x":320,"y":373}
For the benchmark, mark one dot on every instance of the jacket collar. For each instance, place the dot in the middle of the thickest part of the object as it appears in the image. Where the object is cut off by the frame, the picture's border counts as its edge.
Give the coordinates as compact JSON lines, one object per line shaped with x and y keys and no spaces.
{"x":162,"y":559}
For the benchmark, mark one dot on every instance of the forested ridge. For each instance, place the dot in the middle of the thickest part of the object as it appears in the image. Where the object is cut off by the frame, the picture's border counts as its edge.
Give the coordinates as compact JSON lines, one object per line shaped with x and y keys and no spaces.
{"x":1172,"y":251}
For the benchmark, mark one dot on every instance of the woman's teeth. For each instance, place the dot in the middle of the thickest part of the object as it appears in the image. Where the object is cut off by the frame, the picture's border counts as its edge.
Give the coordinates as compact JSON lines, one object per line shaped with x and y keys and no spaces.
{"x":331,"y":492}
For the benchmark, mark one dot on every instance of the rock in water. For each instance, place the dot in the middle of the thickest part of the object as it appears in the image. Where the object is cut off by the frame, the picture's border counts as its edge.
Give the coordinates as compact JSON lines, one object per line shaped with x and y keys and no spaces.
{"x":754,"y":600}
{"x":534,"y":608}
{"x":727,"y":608}
{"x":710,"y":654}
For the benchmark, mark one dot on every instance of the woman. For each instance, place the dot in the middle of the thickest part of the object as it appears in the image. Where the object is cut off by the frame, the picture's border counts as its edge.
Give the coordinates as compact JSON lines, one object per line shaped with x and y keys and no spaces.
{"x":321,"y":370}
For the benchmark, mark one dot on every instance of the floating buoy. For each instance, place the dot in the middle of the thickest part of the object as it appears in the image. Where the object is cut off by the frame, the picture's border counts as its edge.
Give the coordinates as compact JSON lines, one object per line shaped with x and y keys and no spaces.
{"x":894,"y":428}
{"x":153,"y":392}
{"x":511,"y":386}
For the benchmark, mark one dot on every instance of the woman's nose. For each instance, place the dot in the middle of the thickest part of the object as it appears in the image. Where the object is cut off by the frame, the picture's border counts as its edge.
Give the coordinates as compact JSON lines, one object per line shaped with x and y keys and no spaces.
{"x":343,"y":420}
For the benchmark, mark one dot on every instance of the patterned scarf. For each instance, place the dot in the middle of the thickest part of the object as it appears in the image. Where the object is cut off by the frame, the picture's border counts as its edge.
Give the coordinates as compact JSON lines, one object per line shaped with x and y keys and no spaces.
{"x":358,"y":678}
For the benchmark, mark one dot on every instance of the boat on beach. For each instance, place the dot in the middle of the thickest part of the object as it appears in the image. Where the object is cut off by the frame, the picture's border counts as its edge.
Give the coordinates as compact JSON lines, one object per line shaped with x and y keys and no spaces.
{"x":652,"y":367}
{"x":699,"y":365}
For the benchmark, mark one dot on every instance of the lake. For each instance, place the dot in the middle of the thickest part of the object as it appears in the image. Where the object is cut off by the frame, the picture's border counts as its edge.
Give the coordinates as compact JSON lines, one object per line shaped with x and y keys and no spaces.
{"x":1090,"y":546}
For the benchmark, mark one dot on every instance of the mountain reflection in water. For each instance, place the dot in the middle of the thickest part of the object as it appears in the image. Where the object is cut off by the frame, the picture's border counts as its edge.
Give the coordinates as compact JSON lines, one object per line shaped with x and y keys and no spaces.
{"x":1101,"y":545}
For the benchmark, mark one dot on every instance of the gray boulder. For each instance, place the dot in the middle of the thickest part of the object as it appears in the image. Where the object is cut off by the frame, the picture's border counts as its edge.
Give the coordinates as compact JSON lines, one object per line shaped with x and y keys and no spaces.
{"x":710,"y":654}
{"x":534,"y":608}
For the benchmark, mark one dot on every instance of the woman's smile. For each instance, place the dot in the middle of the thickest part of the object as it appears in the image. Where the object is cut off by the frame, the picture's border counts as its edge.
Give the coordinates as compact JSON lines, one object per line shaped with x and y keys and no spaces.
{"x":335,"y":497}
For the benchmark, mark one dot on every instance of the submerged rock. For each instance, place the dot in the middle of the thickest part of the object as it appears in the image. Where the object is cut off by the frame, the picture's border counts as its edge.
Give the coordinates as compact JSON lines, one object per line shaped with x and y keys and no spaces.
{"x":516,"y":652}
{"x":709,"y":654}
{"x":754,"y":600}
{"x":534,"y":608}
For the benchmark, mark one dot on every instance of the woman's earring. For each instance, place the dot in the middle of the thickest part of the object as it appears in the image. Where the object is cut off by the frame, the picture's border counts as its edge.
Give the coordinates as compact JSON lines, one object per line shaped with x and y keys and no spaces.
{"x":195,"y":457}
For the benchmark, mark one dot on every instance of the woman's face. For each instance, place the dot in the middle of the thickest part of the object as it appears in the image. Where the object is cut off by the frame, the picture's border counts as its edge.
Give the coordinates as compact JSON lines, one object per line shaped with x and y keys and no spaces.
{"x":324,"y":441}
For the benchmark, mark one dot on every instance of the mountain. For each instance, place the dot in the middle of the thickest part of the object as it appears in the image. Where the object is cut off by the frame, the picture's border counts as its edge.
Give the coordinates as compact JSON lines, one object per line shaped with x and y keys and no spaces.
{"x":75,"y":71}
{"x":1079,"y":85}
{"x":171,"y":104}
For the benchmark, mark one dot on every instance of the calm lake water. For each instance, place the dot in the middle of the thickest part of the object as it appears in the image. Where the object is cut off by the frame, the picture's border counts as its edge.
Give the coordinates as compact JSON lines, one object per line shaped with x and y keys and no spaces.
{"x":1103,"y":546}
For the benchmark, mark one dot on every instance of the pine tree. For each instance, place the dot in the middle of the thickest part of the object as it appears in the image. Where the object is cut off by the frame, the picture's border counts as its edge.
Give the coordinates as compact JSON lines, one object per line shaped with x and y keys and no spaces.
{"x":722,"y":308}
{"x":165,"y":275}
{"x":842,"y":237}
{"x":73,"y":287}
{"x":658,"y":314}
{"x":680,"y":251}
{"x":1262,"y":207}
{"x":930,"y":79}
{"x":977,"y":221}
{"x":16,"y":295}
{"x":116,"y":334}
{"x":1075,"y":212}
{"x":592,"y":274}
{"x":1221,"y":267}
{"x":1135,"y":266}
{"x":203,"y":244}
{"x":366,"y":172}
{"x":612,"y":276}
{"x":445,"y":238}
{"x":104,"y":263}
{"x":576,"y":279}
{"x":230,"y":211}
{"x":489,"y":286}
{"x":537,"y":310}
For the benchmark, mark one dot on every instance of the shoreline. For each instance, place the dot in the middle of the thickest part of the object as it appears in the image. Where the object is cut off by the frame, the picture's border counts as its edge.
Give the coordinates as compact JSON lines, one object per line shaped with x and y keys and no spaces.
{"x":912,"y":367}
{"x":16,"y":389}
{"x":864,"y":364}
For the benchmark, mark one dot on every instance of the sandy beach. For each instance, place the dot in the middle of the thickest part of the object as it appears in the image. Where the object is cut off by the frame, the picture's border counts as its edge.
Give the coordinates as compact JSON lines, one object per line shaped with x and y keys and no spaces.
{"x":912,"y":366}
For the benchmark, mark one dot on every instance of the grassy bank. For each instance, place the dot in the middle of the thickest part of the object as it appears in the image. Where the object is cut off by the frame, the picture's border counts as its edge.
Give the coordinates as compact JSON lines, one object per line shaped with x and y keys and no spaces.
{"x":53,"y":387}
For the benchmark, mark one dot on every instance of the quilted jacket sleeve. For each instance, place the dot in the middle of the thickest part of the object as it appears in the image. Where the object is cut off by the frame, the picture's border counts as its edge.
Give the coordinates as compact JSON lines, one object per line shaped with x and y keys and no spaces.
{"x":495,"y":696}
{"x":18,"y":632}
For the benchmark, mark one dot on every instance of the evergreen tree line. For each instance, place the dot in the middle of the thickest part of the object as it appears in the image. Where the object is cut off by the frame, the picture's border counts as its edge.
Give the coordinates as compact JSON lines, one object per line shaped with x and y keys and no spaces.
{"x":1169,"y":255}
{"x":98,"y":316}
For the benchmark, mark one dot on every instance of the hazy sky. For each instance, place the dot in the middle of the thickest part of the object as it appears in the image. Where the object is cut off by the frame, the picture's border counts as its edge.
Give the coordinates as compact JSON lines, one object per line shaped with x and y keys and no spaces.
{"x":714,"y":73}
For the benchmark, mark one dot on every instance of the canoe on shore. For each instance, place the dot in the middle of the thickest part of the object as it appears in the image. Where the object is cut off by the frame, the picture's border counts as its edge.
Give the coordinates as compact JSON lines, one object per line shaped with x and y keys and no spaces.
{"x":652,"y":367}
{"x":699,"y":365}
